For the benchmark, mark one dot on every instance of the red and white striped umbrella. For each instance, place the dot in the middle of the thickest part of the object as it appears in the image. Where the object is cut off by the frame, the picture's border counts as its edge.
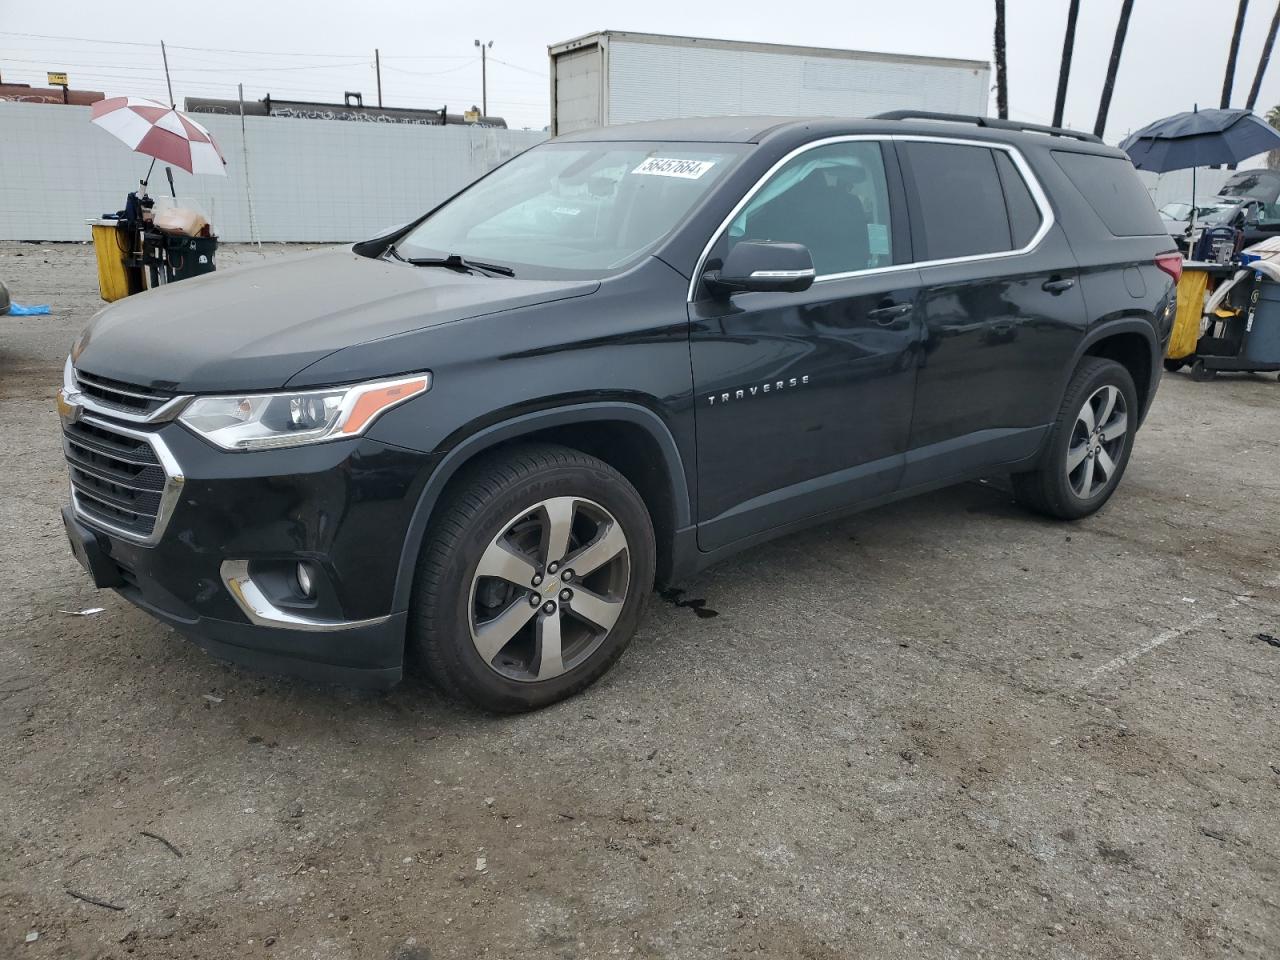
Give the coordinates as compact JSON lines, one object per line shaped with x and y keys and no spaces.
{"x":161,"y":132}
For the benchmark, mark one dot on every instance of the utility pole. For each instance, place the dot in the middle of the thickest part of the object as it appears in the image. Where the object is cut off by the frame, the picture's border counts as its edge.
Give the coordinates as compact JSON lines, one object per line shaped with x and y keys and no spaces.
{"x":484,"y":79}
{"x":169,"y":83}
{"x":1068,"y":47}
{"x":1229,"y":79}
{"x":377,"y":68}
{"x":1108,"y":85}
{"x":1002,"y":84}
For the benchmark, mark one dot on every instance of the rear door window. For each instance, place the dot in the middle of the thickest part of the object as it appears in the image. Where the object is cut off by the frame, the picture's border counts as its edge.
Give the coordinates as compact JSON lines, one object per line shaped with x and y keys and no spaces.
{"x":959,"y":204}
{"x":1115,"y":193}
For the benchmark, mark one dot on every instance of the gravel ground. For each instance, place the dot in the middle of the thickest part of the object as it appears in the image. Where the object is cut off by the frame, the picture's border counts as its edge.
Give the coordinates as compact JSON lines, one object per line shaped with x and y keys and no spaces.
{"x":941,"y":729}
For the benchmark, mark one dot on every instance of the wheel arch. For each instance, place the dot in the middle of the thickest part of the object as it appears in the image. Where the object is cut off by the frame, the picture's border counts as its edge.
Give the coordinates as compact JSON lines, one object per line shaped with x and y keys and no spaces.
{"x":1130,"y":342}
{"x":628,"y":436}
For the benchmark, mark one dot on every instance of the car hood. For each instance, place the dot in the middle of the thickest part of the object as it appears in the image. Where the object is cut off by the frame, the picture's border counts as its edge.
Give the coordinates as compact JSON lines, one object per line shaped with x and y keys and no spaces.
{"x":255,"y":327}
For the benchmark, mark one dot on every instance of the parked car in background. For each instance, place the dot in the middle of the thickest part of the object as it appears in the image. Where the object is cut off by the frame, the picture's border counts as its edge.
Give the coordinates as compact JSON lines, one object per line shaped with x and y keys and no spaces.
{"x":1249,"y":201}
{"x":1241,"y":213}
{"x":622,"y":356}
{"x":1260,"y":184}
{"x":1246,"y":214}
{"x":1177,"y":221}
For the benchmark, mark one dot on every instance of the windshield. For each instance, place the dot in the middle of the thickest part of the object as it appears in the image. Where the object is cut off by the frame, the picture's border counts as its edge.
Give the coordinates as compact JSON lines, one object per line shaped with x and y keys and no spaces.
{"x":574,"y":209}
{"x":1257,"y":184}
{"x":1226,"y":213}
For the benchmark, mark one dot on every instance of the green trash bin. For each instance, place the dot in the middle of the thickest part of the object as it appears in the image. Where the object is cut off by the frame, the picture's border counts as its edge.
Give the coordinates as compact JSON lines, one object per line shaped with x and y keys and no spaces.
{"x":188,"y":257}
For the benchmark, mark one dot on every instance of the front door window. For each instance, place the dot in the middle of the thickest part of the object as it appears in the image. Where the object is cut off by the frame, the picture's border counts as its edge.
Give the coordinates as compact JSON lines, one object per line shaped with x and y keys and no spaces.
{"x":834,"y":200}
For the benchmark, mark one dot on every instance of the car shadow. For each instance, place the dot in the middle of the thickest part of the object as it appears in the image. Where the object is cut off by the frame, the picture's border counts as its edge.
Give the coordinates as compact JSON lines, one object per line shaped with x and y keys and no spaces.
{"x":415,"y":706}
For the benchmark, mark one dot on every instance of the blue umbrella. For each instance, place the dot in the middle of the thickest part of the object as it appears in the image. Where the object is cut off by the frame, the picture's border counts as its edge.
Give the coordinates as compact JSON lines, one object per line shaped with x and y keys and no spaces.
{"x":1200,"y":138}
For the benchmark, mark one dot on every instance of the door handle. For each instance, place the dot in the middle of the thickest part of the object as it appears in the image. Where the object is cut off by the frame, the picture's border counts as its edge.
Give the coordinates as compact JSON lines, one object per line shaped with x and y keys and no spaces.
{"x":1057,"y":285}
{"x":887,"y":314}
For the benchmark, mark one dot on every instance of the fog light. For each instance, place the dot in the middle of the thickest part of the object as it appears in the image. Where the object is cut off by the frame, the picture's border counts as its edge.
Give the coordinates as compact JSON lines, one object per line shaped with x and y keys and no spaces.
{"x":305,"y":583}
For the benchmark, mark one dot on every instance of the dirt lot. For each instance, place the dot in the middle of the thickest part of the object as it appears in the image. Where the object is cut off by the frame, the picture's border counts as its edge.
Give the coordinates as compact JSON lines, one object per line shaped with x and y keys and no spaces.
{"x":942,"y":729}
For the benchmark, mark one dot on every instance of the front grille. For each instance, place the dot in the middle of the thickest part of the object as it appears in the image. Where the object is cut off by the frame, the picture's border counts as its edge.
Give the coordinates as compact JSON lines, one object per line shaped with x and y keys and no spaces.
{"x":127,"y":397}
{"x":116,"y":477}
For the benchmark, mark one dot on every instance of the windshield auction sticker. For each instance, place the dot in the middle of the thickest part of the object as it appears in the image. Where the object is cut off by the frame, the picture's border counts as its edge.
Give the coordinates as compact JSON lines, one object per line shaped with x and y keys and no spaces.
{"x":666,"y":167}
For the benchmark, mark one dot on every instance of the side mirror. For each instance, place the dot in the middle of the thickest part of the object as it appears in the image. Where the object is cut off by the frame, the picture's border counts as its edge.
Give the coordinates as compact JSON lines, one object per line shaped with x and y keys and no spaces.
{"x":762,"y":265}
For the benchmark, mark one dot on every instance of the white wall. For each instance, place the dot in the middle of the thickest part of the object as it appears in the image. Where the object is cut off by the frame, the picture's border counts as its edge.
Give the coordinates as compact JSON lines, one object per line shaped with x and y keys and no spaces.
{"x":311,"y":180}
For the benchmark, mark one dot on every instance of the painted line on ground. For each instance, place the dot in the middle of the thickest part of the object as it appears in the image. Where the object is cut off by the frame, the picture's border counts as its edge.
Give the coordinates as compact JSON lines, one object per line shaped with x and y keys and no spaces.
{"x":1159,"y":640}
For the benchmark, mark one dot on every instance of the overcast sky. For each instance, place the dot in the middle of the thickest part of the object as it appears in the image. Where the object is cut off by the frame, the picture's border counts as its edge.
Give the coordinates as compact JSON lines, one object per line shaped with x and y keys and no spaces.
{"x":1175,"y":55}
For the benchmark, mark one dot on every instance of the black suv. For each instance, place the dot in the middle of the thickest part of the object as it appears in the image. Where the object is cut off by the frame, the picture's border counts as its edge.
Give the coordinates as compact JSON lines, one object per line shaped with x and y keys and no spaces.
{"x":621,"y":356}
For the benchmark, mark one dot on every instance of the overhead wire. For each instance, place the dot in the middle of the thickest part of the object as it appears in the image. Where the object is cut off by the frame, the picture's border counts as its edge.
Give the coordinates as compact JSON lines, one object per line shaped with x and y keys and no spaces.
{"x":174,"y":46}
{"x":521,"y":69}
{"x":116,"y":64}
{"x":421,"y":73}
{"x":182,"y":69}
{"x":239,"y":52}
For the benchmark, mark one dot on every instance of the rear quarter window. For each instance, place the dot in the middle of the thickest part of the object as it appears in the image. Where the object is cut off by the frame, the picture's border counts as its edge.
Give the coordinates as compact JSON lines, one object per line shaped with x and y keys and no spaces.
{"x":1024,"y":215}
{"x":1114,"y":191}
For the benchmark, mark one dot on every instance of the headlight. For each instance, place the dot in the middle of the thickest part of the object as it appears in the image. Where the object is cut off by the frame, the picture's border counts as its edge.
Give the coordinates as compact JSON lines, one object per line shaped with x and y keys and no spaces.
{"x":267,"y":420}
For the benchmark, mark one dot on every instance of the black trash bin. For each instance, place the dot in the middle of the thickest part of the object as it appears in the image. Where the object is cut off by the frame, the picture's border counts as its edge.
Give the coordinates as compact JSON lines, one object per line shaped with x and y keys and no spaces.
{"x":1246,"y":340}
{"x":188,"y":257}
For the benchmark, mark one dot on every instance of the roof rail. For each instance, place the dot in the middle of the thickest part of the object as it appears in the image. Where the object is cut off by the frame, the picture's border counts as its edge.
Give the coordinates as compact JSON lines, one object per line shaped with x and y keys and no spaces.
{"x":991,"y":122}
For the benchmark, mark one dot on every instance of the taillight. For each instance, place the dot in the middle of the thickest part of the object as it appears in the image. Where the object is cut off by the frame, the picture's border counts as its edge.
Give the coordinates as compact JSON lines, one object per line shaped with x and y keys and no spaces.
{"x":1170,"y":263}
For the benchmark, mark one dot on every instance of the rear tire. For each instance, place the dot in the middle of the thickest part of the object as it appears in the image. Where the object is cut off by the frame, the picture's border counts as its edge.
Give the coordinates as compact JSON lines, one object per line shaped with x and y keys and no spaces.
{"x":533,"y":578}
{"x":1088,"y":446}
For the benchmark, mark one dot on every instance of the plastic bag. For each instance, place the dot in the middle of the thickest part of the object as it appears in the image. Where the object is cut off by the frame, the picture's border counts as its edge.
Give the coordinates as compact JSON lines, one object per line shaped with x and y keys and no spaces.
{"x":180,"y":220}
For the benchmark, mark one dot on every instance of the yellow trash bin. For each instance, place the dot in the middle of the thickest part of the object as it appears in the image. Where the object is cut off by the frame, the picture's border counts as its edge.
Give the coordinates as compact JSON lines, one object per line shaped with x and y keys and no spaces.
{"x":113,"y":281}
{"x":1186,"y":326}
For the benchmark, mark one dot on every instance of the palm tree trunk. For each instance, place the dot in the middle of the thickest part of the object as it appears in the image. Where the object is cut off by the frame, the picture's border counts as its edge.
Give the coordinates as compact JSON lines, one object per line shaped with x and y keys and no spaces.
{"x":1002,"y":85}
{"x":1263,"y":61}
{"x":1068,"y":46}
{"x":1229,"y":79}
{"x":1108,"y":85}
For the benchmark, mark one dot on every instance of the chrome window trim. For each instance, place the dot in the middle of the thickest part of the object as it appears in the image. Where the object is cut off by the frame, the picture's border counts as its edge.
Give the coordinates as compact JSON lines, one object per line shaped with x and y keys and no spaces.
{"x":72,"y":393}
{"x":168,"y":496}
{"x":261,"y":612}
{"x":1038,"y":196}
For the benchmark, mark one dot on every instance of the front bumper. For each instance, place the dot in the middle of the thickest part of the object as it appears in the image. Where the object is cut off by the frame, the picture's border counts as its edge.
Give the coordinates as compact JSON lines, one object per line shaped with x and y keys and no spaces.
{"x":343,"y":508}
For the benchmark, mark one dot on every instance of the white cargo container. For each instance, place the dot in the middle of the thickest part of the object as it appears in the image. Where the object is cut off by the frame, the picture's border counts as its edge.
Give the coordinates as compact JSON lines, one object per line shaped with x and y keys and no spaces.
{"x":614,"y":77}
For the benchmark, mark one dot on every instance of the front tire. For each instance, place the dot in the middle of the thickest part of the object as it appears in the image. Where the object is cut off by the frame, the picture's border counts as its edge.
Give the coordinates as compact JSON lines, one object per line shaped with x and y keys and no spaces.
{"x":1089,"y":444}
{"x":533,"y":578}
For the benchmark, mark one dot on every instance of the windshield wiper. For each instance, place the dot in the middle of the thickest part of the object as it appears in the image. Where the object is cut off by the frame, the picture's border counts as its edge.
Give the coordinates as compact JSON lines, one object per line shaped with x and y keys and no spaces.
{"x":456,"y":262}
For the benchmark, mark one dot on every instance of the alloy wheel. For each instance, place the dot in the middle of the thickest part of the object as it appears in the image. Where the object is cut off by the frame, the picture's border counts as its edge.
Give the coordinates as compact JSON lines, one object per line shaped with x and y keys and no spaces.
{"x":1097,"y":442}
{"x":549,"y":588}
